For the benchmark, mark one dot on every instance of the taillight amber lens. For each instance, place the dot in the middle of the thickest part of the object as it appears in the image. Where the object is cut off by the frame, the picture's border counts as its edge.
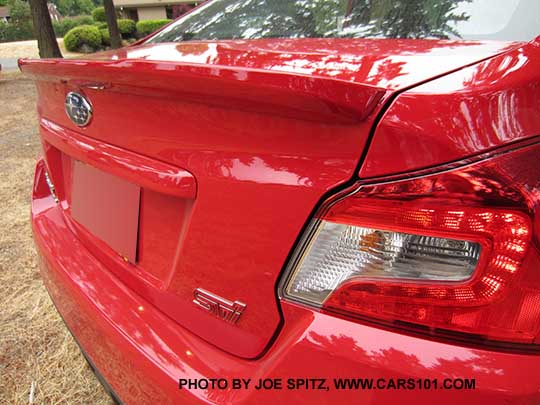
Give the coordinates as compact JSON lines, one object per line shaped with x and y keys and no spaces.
{"x":449,"y":253}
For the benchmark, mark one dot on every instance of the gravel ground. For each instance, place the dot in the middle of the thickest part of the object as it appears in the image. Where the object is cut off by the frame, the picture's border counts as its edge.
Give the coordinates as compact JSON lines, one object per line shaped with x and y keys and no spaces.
{"x":28,"y":49}
{"x":39,"y":360}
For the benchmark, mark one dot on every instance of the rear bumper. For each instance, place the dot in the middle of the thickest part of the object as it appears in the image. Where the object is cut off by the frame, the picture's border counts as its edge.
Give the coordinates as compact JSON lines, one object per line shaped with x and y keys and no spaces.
{"x":142,"y":353}
{"x":97,"y":373}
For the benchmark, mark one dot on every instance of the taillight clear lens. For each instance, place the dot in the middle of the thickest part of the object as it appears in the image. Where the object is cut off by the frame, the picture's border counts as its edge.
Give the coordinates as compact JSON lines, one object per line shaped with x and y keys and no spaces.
{"x":451,"y":252}
{"x":341,"y":252}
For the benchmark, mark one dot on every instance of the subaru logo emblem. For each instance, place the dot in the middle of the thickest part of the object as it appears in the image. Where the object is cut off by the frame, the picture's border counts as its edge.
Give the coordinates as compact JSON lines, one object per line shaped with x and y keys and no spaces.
{"x":78,"y":109}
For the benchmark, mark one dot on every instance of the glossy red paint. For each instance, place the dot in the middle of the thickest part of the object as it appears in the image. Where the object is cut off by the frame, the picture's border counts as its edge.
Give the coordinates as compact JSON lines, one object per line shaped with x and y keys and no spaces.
{"x":383,"y":63}
{"x":142,"y":353}
{"x":234,"y":143}
{"x":266,"y":128}
{"x":470,"y":111}
{"x":135,"y":168}
{"x":492,"y":201}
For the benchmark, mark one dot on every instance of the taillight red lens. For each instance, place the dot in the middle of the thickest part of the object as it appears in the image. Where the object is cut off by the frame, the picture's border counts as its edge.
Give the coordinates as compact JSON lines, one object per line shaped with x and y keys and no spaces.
{"x":450,"y":252}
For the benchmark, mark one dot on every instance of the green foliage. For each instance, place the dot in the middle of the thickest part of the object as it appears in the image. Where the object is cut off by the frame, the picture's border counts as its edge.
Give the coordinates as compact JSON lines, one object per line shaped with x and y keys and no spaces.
{"x":255,"y":19}
{"x":19,"y":11}
{"x":4,"y":32}
{"x":85,"y":38}
{"x":146,"y":27}
{"x":128,"y":41}
{"x":19,"y":27}
{"x":64,"y":25}
{"x":105,"y":36}
{"x":98,"y":14}
{"x":325,"y":14}
{"x":126,"y":27}
{"x":10,"y":32}
{"x":415,"y":18}
{"x":75,"y":7}
{"x":100,"y":24}
{"x":3,"y":3}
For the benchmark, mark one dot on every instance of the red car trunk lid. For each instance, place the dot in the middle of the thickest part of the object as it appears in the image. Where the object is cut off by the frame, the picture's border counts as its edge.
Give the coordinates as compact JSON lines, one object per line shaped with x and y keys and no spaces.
{"x":232,"y":144}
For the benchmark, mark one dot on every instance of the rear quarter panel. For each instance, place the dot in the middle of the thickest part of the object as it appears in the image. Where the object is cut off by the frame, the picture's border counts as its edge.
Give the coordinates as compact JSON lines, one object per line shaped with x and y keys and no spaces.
{"x":470,"y":111}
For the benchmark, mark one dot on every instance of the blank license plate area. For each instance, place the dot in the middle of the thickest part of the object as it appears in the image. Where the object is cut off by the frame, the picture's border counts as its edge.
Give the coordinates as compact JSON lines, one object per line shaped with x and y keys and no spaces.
{"x":107,"y":206}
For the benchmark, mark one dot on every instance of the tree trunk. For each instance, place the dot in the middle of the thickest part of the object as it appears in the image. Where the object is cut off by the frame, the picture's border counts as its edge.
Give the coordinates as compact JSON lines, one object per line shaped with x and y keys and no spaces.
{"x":110,"y":14}
{"x":47,"y":44}
{"x":347,"y":14}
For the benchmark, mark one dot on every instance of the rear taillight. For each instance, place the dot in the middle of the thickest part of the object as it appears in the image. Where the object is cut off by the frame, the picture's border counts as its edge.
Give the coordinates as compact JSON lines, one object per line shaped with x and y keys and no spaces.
{"x":453,"y":253}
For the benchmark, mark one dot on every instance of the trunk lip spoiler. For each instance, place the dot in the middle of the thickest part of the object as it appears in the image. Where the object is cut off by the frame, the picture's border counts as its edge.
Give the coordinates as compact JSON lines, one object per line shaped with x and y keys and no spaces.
{"x":289,"y":94}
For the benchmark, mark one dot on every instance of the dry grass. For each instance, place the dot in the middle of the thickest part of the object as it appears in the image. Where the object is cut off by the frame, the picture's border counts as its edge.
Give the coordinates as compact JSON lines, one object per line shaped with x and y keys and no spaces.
{"x":37,"y":353}
{"x":28,"y":49}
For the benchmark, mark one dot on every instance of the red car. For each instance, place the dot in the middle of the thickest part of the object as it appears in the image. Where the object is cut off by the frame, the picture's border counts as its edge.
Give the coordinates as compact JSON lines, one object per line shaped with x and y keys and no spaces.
{"x":301,"y":202}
